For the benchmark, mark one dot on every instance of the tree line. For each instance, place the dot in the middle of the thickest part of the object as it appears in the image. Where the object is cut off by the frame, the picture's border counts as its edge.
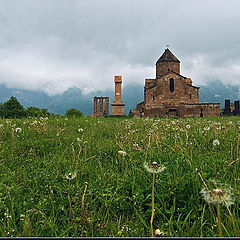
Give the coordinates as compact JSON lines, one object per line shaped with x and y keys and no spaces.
{"x":13,"y":109}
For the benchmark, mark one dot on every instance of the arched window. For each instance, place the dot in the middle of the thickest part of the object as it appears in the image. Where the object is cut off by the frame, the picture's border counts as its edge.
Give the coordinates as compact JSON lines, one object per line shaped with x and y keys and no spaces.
{"x":171,"y":85}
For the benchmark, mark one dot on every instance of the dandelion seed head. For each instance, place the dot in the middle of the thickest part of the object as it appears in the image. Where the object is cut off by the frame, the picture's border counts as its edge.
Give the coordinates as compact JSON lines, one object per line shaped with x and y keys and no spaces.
{"x":122,"y":153}
{"x":18,"y":129}
{"x":154,"y":167}
{"x":158,"y":232}
{"x":70,"y":175}
{"x":216,"y":142}
{"x":222,"y":194}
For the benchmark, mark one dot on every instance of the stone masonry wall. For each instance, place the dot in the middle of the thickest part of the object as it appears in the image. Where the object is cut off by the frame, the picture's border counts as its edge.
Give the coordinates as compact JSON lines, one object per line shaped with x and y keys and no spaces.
{"x":160,"y":94}
{"x":165,"y":67}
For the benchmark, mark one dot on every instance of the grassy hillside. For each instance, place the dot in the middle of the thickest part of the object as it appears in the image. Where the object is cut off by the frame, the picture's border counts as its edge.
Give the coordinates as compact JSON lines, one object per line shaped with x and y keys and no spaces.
{"x":66,"y":177}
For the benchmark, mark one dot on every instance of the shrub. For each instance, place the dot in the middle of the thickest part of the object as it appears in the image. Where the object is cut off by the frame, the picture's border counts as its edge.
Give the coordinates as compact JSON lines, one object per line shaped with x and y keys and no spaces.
{"x":72,"y":112}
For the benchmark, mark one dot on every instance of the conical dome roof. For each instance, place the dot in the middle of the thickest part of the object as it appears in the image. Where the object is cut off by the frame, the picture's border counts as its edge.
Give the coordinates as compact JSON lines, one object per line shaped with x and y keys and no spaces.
{"x":167,"y":57}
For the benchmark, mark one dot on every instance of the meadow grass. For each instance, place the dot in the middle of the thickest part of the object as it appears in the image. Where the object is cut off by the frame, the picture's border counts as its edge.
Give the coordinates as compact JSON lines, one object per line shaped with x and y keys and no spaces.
{"x":111,"y":194}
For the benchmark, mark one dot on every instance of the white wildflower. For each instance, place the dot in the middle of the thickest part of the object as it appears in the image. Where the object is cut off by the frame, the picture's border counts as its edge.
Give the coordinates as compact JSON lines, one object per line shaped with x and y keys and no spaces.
{"x":80,"y":130}
{"x":70,"y":175}
{"x":18,"y":129}
{"x":216,"y":142}
{"x":122,"y":153}
{"x":159,"y":233}
{"x":188,"y":126}
{"x":78,"y":139}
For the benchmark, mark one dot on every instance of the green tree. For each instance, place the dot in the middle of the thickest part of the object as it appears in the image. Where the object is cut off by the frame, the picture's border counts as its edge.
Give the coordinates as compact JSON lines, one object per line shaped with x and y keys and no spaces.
{"x":1,"y":110}
{"x":13,"y":109}
{"x":37,"y":112}
{"x":72,"y":112}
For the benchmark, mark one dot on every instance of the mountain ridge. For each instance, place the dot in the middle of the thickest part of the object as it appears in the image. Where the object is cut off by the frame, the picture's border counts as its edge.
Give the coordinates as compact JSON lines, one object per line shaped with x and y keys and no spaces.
{"x":214,"y":91}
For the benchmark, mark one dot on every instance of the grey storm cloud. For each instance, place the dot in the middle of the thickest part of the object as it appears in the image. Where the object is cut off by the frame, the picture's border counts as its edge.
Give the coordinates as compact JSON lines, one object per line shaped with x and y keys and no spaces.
{"x":53,"y":45}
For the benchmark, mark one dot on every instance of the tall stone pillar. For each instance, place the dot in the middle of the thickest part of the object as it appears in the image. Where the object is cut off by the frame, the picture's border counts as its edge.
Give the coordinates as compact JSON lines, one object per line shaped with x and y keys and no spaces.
{"x":107,"y":106}
{"x":101,"y":106}
{"x":117,"y":105}
{"x":95,"y":106}
{"x":236,"y":111}
{"x":227,"y":109}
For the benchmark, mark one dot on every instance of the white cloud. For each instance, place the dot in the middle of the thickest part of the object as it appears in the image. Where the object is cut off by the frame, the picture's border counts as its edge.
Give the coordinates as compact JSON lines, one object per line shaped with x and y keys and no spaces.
{"x":202,"y":69}
{"x":33,"y":70}
{"x":55,"y":45}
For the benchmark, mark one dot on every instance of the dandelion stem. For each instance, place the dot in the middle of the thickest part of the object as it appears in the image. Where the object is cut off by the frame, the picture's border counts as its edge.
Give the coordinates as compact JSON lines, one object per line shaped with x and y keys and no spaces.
{"x":202,"y":180}
{"x":70,"y":205}
{"x":237,"y":146}
{"x":73,"y":151}
{"x":149,"y":140}
{"x":84,"y":193}
{"x":219,"y":220}
{"x":151,"y":221}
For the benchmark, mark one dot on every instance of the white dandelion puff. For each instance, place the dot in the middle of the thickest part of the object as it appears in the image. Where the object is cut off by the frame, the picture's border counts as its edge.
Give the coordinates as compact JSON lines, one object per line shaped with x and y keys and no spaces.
{"x":80,"y":130}
{"x":216,"y":142}
{"x":18,"y":129}
{"x":154,"y":167}
{"x":122,"y":153}
{"x":219,"y":195}
{"x":70,"y":175}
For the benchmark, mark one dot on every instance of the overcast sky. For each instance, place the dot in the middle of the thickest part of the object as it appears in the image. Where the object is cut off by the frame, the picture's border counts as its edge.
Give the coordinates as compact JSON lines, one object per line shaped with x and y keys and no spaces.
{"x":53,"y":45}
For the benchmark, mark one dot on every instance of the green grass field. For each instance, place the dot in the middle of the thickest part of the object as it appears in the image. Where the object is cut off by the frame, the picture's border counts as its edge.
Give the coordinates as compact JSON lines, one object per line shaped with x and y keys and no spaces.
{"x":37,"y":198}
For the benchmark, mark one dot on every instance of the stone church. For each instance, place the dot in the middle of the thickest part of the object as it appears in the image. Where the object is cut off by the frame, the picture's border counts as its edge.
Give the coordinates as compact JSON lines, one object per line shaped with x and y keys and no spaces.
{"x":171,"y":94}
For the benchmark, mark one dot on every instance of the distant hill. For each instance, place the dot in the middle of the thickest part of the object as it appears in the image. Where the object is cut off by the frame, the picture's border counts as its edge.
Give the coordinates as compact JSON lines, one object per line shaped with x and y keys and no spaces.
{"x":215,"y":91}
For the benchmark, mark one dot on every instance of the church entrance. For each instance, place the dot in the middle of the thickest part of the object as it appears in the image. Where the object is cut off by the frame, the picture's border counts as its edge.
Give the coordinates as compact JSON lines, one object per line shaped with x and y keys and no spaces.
{"x":172,"y":113}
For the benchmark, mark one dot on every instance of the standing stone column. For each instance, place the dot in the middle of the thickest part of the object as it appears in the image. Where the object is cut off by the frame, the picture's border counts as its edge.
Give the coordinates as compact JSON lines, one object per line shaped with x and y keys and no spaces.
{"x":236,"y":111}
{"x":107,"y":106}
{"x":117,"y":105}
{"x":227,"y":109}
{"x":95,"y":106}
{"x":101,"y":106}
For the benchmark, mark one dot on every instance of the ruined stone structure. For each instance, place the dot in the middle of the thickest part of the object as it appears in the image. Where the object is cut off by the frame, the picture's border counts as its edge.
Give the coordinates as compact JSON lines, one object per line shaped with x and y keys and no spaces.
{"x":171,"y":94}
{"x":118,"y":105}
{"x":101,"y":106}
{"x":228,"y":111}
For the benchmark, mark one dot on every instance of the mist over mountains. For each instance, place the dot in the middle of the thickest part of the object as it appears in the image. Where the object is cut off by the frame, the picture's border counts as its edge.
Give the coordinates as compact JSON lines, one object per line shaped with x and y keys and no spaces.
{"x":214,"y":91}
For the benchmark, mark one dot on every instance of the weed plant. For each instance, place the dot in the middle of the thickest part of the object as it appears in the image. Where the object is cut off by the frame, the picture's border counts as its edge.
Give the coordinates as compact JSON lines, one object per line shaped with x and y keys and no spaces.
{"x":110,"y":194}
